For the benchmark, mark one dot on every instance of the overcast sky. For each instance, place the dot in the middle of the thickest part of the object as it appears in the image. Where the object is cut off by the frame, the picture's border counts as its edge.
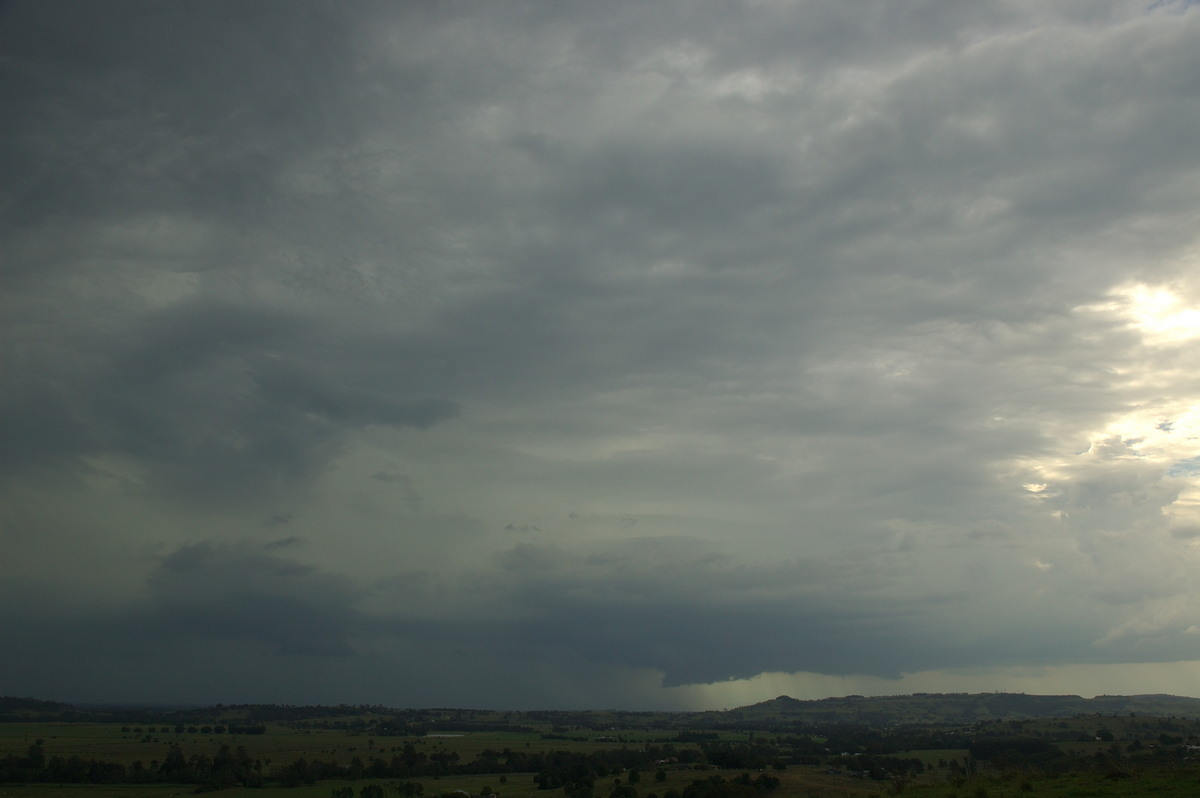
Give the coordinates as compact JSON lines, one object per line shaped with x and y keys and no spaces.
{"x":609,"y":354}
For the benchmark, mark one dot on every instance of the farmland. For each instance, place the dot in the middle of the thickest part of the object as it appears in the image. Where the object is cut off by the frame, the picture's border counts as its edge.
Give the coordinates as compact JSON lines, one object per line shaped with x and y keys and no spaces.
{"x":777,"y":749}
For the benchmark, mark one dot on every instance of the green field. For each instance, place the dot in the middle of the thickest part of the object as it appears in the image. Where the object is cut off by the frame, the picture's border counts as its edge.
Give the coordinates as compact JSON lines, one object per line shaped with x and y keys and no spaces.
{"x":802,"y":785}
{"x":377,"y":753}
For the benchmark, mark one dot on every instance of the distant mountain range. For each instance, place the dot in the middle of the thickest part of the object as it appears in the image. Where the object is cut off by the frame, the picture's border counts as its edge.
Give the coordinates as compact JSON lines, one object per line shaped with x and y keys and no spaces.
{"x":784,"y":711}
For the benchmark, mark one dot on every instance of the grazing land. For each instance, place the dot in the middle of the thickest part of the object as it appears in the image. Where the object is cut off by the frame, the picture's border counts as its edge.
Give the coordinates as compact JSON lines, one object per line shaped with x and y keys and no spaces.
{"x":938,"y":746}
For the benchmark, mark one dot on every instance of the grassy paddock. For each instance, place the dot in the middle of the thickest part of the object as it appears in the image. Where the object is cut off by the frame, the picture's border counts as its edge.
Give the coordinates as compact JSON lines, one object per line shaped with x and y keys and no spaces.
{"x":282,"y":745}
{"x":931,"y":756}
{"x":107,"y":742}
{"x":321,"y":790}
{"x":796,"y":783}
{"x":1181,"y":784}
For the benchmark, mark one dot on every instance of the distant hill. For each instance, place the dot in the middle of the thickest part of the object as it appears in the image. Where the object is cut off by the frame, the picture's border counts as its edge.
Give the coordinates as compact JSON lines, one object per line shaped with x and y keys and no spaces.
{"x":934,"y":708}
{"x":13,"y":708}
{"x":784,"y":711}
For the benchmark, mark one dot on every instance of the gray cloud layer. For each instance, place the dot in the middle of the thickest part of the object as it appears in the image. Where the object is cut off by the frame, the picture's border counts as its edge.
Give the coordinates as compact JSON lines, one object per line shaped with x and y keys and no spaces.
{"x":568,"y":351}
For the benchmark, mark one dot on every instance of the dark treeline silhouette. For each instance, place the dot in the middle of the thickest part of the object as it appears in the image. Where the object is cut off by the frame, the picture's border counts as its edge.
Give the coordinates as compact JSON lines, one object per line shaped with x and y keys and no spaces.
{"x":232,"y":766}
{"x":227,"y":768}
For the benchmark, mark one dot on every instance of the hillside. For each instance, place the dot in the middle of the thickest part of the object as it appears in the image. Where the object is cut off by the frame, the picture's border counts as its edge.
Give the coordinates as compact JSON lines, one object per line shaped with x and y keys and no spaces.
{"x":937,"y":708}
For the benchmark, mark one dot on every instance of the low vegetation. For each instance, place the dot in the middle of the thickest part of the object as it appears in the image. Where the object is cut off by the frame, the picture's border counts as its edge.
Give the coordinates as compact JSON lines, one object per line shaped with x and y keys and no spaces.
{"x":778,"y":749}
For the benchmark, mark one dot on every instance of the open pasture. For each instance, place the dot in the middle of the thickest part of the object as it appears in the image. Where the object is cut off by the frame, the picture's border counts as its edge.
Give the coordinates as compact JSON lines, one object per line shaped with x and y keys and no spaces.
{"x":795,"y":783}
{"x":126,"y":743}
{"x":1175,"y":784}
{"x":316,"y":752}
{"x":114,"y":742}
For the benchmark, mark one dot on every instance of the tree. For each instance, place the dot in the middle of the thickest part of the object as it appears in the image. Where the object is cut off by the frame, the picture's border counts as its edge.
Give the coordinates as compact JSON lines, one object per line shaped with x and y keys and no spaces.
{"x":174,"y":761}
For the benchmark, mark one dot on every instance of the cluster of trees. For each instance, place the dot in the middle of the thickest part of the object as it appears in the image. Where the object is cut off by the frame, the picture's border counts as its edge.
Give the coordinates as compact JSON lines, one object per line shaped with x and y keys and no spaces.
{"x":578,"y":782}
{"x":742,"y":756}
{"x":413,"y":724}
{"x":1020,"y":753}
{"x":180,"y":728}
{"x":226,"y":769}
{"x":23,"y":710}
{"x":575,"y":772}
{"x":34,"y":766}
{"x":403,"y":789}
{"x":867,"y":752}
{"x":744,"y":786}
{"x":573,"y":769}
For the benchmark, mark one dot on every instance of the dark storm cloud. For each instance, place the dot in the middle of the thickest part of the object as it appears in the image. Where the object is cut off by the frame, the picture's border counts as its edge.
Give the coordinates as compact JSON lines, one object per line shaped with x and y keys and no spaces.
{"x":701,"y":618}
{"x":204,"y":591}
{"x":871,"y":321}
{"x":215,"y":396}
{"x":687,"y":188}
{"x":140,"y":107}
{"x":143,"y":104}
{"x":208,"y":592}
{"x":203,"y":603}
